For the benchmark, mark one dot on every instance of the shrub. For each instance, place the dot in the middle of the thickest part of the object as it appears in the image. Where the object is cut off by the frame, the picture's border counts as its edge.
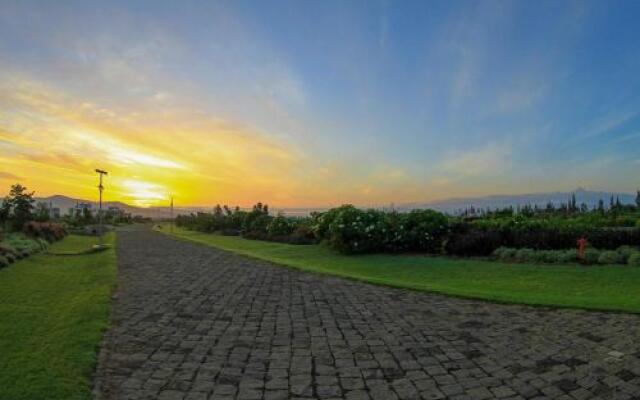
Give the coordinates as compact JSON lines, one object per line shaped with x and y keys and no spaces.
{"x":609,"y":257}
{"x":465,"y":241}
{"x":5,"y":249}
{"x":423,"y":230}
{"x":356,"y":231}
{"x":634,"y":260}
{"x":256,"y":223}
{"x":525,"y":255}
{"x":567,"y":256}
{"x":591,"y":256}
{"x":49,"y":231}
{"x":302,"y":234}
{"x":549,"y":256}
{"x":322,"y":221}
{"x":280,"y":226}
{"x":626,"y":252}
{"x":504,"y":253}
{"x":3,"y":262}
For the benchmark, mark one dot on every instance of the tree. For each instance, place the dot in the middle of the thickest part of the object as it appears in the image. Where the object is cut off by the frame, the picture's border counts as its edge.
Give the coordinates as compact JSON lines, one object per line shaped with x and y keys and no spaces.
{"x":601,"y":206}
{"x":87,"y":217}
{"x":42,"y":213}
{"x":638,"y":199}
{"x":572,"y":203}
{"x":20,"y":205}
{"x":5,"y":211}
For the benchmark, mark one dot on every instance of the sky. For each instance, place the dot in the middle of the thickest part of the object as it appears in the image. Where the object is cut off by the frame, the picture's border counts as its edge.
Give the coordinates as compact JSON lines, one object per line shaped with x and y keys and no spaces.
{"x":318,"y":103}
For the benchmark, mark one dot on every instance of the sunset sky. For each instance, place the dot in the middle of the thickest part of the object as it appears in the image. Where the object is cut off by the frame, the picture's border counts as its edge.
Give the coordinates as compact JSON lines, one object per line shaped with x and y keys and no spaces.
{"x":318,"y":103}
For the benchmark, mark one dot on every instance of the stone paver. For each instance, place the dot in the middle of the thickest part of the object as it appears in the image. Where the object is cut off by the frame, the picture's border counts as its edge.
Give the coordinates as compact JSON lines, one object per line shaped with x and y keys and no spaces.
{"x":193,"y":322}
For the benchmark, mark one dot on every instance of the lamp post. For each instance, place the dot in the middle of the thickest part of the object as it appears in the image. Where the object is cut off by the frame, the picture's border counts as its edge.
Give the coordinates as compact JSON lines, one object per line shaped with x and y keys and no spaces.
{"x":100,"y":189}
{"x":171,"y":214}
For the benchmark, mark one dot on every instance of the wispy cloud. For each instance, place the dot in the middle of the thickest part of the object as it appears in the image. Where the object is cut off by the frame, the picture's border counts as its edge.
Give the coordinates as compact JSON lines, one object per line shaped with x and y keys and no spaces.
{"x":9,"y":176}
{"x":490,"y":159}
{"x":607,"y":123}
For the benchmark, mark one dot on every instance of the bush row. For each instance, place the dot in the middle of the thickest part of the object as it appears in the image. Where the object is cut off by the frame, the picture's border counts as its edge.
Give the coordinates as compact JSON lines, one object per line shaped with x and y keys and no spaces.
{"x":623,"y":255}
{"x":16,"y":247}
{"x":49,"y":231}
{"x":467,"y":239}
{"x":35,"y":237}
{"x":255,"y":224}
{"x":351,"y":230}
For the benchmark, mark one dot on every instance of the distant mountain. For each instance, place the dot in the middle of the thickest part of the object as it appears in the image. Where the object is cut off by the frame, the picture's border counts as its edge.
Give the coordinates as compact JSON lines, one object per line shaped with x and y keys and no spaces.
{"x":590,"y":198}
{"x":451,"y":206}
{"x":64,"y":203}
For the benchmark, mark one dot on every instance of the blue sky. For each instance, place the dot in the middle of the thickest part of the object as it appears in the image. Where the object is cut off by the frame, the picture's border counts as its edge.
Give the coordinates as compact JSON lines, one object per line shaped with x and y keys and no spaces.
{"x":314,"y":103}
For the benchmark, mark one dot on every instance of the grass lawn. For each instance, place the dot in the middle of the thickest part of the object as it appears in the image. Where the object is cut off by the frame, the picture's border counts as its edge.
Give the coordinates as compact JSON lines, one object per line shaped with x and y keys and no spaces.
{"x":53,"y":311}
{"x":595,"y":287}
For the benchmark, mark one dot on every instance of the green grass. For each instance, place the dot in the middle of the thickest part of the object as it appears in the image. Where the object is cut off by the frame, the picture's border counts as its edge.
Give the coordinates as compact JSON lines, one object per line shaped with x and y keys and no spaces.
{"x":53,"y":311}
{"x":598,"y":287}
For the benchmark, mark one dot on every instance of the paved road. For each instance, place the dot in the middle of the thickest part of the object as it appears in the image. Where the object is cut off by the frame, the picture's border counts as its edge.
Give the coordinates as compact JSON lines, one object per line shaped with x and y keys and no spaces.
{"x":192,"y":322}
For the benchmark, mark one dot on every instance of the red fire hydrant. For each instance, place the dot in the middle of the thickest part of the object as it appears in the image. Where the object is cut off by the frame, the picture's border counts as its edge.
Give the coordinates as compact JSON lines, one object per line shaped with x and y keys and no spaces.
{"x":582,"y":245}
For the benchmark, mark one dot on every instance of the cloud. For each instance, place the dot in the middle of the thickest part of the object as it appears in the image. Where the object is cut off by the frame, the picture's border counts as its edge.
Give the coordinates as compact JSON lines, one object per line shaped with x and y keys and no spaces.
{"x":607,"y":123}
{"x":178,"y":149}
{"x":9,"y":176}
{"x":490,"y":159}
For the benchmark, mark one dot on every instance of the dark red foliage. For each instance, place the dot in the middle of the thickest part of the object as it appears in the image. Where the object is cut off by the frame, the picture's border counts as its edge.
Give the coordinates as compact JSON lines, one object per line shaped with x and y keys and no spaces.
{"x":49,"y":231}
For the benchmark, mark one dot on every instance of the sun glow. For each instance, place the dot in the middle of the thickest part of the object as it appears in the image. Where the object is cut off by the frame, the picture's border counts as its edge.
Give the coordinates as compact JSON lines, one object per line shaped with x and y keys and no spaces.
{"x":52,"y":143}
{"x":143,"y":193}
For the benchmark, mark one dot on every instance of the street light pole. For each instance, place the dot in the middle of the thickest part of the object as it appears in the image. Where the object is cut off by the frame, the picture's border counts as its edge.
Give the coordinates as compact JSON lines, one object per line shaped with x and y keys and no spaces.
{"x":171,"y":214}
{"x":100,"y":189}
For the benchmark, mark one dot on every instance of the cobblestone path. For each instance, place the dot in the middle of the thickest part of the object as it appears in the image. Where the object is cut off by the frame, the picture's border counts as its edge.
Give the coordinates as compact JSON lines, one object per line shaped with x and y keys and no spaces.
{"x":193,"y":322}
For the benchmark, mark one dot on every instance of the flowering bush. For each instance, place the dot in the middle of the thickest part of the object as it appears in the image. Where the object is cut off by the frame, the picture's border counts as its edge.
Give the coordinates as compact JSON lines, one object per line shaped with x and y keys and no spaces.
{"x":352,"y":230}
{"x":280,"y":225}
{"x":357,"y":231}
{"x":426,"y":230}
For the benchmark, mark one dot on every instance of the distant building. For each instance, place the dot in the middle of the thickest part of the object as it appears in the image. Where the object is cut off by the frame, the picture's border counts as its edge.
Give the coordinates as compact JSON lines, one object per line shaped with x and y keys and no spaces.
{"x":115,"y":212}
{"x":79,"y":208}
{"x":54,"y":212}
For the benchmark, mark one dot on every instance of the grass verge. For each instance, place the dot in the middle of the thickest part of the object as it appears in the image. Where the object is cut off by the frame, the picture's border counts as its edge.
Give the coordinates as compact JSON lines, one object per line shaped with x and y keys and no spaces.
{"x":53,"y":311}
{"x":612,"y":288}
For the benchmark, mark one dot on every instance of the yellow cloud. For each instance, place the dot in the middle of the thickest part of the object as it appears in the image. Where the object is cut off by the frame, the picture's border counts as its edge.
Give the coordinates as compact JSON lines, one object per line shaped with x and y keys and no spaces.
{"x":56,"y":141}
